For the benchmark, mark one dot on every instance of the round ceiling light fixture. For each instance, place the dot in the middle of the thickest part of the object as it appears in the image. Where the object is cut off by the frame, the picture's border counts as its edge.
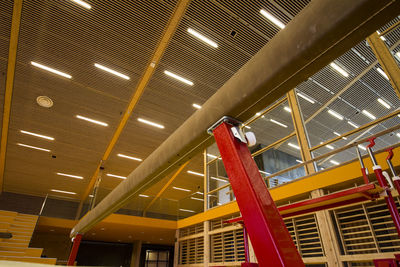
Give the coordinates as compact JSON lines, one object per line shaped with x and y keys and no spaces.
{"x":44,"y":101}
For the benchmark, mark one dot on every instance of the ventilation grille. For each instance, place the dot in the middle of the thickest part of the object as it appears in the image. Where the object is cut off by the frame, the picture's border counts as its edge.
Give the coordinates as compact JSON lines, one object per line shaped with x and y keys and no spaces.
{"x":191,"y":251}
{"x":191,"y":230}
{"x":227,"y":246}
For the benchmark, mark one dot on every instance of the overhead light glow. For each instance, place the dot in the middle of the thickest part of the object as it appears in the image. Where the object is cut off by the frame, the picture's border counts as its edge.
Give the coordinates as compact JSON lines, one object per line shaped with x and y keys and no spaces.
{"x":335,"y":114}
{"x":368,"y":114}
{"x":338,"y":134}
{"x":91,"y":120}
{"x":123,"y":76}
{"x":116,"y":176}
{"x":398,"y":55}
{"x":181,"y":189}
{"x":334,"y":162}
{"x":272,"y":18}
{"x":69,"y":175}
{"x":398,"y":135}
{"x":141,"y":195}
{"x":307,"y":98}
{"x":362,"y":147}
{"x":81,"y":3}
{"x":51,"y":70}
{"x":195,"y":173}
{"x":202,"y":38}
{"x":128,"y":157}
{"x":287,"y":109}
{"x":299,"y":161}
{"x":151,"y":123}
{"x":294,"y":146}
{"x":34,"y":147}
{"x":212,"y":156}
{"x":197,"y":106}
{"x":187,"y":210}
{"x":382,"y":37}
{"x":200,"y":193}
{"x":381,"y":72}
{"x":353,"y":124}
{"x":266,"y":173}
{"x":278,"y":123}
{"x":64,"y":192}
{"x":247,"y":127}
{"x":195,"y":198}
{"x":383,"y":103}
{"x":37,"y":135}
{"x":330,"y":147}
{"x":179,"y":78}
{"x":219,"y":179}
{"x":339,"y":69}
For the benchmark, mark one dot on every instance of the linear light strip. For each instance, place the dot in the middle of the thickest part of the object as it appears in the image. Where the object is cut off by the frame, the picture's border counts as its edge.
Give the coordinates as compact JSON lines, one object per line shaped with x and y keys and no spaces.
{"x":279,"y":123}
{"x":219,"y":179}
{"x":129,"y":157}
{"x":202,"y":38}
{"x":181,"y":189}
{"x":383,"y":103}
{"x":186,"y":210}
{"x":64,"y":192}
{"x":196,"y":173}
{"x":69,"y":175}
{"x":362,"y":147}
{"x":307,"y":98}
{"x":335,"y":114}
{"x":353,"y":124}
{"x":91,"y":120}
{"x":179,"y":78}
{"x":51,"y":70}
{"x":141,"y":195}
{"x":330,"y":147}
{"x":34,"y":147}
{"x":81,"y":3}
{"x":151,"y":123}
{"x":271,"y":18}
{"x":334,"y":162}
{"x":287,"y":109}
{"x":197,"y":106}
{"x":294,"y":146}
{"x":37,"y":135}
{"x":119,"y":74}
{"x":195,"y":198}
{"x":381,"y":72}
{"x":339,"y":69}
{"x":368,"y":114}
{"x":116,"y":176}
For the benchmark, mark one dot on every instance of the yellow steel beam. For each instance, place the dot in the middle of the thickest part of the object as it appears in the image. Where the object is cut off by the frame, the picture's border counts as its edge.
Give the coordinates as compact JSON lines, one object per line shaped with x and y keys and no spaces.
{"x":165,"y":187}
{"x":138,"y":91}
{"x":12,"y":56}
{"x":300,"y":131}
{"x":386,"y":60}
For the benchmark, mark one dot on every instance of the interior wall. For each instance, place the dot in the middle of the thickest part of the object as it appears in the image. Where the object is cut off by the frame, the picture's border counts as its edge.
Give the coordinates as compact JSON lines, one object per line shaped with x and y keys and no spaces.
{"x":55,"y":245}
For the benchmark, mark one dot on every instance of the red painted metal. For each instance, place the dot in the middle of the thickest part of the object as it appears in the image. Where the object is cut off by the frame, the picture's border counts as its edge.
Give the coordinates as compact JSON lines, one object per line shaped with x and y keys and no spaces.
{"x":386,"y":263}
{"x":271,"y":240}
{"x":74,"y":250}
{"x":365,"y":176}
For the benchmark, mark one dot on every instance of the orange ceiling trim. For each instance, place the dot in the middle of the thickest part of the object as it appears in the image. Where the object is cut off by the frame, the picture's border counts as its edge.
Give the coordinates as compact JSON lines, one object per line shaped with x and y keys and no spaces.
{"x":12,"y":56}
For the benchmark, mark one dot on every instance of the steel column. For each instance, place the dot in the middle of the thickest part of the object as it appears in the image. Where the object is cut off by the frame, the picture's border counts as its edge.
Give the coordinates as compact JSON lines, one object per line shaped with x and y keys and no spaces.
{"x":271,"y":240}
{"x":74,"y":250}
{"x":386,"y":60}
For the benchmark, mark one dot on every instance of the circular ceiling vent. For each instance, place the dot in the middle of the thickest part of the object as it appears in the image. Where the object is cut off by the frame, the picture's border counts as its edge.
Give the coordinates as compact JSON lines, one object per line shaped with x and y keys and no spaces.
{"x":44,"y":101}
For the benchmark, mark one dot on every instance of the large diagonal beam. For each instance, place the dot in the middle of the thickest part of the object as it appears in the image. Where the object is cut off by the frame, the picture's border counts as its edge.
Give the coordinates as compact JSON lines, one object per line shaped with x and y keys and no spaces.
{"x":138,"y":91}
{"x":12,"y":58}
{"x":323,"y":31}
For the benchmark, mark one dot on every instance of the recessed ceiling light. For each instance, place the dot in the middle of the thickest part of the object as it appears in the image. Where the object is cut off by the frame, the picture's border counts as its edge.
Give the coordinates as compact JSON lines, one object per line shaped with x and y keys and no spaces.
{"x":398,"y":55}
{"x":368,"y":114}
{"x":362,"y":147}
{"x":202,"y":38}
{"x":151,"y":123}
{"x":91,"y":120}
{"x":141,"y":195}
{"x":278,"y":123}
{"x":195,"y":198}
{"x":247,"y":127}
{"x":305,"y":97}
{"x":353,"y":124}
{"x":339,"y":69}
{"x":196,"y":106}
{"x":111,"y":71}
{"x":383,"y":103}
{"x":81,"y":3}
{"x":34,"y":147}
{"x":294,"y":146}
{"x":129,"y":157}
{"x":187,"y":210}
{"x":195,"y":173}
{"x":334,"y":162}
{"x":330,"y":147}
{"x":179,"y":78}
{"x":382,"y":37}
{"x":37,"y":135}
{"x":287,"y":109}
{"x":64,"y":192}
{"x":219,"y":179}
{"x":116,"y":176}
{"x":271,"y":18}
{"x":181,"y":189}
{"x":44,"y":101}
{"x":299,"y":161}
{"x":335,"y":114}
{"x":70,"y":175}
{"x":381,"y":72}
{"x":51,"y":70}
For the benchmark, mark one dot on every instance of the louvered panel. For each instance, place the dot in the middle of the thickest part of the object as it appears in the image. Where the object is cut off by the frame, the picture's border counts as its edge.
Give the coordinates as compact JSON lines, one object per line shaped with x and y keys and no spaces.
{"x":309,"y":241}
{"x":219,"y":223}
{"x":191,"y":251}
{"x":227,"y":246}
{"x":191,"y":230}
{"x":356,"y":264}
